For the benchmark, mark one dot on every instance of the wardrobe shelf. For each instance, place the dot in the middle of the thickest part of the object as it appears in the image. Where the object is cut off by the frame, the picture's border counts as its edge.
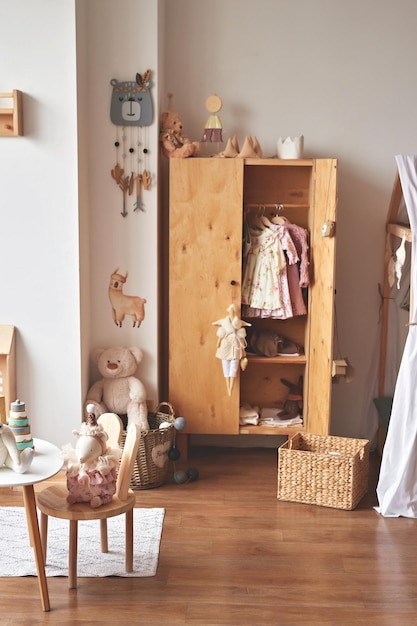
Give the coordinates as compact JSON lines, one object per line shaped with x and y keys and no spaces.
{"x":273,"y":161}
{"x":288,"y":431}
{"x":273,"y":360}
{"x":274,"y":205}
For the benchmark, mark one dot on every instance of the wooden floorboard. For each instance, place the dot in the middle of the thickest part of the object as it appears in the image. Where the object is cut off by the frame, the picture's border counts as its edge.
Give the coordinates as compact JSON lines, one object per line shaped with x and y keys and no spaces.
{"x":232,"y":554}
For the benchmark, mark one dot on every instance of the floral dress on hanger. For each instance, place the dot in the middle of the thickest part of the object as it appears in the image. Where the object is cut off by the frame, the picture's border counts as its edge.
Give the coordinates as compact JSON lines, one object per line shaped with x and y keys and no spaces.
{"x":265,"y":290}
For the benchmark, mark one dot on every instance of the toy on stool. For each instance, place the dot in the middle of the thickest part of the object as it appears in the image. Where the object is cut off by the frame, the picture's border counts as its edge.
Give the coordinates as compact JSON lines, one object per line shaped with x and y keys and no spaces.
{"x":91,"y":466}
{"x":10,"y":456}
{"x":119,"y":391}
{"x":173,"y":141}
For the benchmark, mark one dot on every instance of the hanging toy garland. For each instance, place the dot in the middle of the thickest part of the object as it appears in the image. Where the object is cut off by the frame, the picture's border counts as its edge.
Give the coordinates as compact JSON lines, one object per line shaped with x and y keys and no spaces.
{"x":174,"y":454}
{"x":118,"y":173}
{"x":131,"y":110}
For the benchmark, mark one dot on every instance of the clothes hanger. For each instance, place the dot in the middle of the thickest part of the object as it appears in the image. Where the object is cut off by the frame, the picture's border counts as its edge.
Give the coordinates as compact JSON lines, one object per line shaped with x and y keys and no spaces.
{"x":265,"y":220}
{"x":277,"y":218}
{"x":254,"y":220}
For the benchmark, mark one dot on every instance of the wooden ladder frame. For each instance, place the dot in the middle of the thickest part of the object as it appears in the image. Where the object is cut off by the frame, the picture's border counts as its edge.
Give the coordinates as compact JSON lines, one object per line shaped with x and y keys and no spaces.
{"x":393,"y":229}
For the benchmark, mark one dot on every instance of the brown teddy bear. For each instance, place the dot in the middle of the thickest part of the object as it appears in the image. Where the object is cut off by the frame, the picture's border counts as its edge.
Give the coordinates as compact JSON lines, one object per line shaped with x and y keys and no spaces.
{"x":172,"y":138}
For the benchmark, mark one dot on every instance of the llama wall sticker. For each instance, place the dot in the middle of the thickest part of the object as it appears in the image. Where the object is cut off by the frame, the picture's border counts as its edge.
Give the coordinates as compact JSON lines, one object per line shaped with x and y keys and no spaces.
{"x":122,"y":304}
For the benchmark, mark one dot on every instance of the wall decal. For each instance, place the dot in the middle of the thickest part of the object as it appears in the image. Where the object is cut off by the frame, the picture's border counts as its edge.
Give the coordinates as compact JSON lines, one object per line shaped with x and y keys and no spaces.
{"x":131,"y":102}
{"x":122,"y":304}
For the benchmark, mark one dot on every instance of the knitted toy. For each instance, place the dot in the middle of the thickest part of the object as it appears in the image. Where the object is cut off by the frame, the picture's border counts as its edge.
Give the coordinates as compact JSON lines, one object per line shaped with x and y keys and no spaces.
{"x":91,"y":466}
{"x":10,"y":456}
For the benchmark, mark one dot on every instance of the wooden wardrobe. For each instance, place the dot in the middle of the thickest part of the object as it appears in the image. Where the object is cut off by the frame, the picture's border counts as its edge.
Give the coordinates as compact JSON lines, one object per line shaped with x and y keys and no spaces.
{"x":208,"y":201}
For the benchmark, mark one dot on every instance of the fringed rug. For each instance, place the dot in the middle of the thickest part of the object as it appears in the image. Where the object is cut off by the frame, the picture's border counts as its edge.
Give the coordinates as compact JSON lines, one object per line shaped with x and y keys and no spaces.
{"x":17,"y":557}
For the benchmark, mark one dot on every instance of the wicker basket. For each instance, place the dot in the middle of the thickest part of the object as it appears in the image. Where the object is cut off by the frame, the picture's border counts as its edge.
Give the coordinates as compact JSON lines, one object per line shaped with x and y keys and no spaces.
{"x":151,"y":465}
{"x":328,"y":471}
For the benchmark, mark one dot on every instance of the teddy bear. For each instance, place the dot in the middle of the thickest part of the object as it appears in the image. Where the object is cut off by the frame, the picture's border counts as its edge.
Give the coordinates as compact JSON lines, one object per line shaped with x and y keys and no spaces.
{"x":119,"y":391}
{"x":91,"y":467}
{"x":9,"y":454}
{"x":172,"y":138}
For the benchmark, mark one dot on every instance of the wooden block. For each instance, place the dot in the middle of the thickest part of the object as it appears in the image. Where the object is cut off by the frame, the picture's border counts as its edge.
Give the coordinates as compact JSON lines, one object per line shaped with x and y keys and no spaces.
{"x":339,"y":367}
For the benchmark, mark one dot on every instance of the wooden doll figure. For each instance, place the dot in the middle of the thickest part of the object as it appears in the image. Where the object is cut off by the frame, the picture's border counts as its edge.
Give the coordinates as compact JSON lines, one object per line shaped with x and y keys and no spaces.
{"x":213,"y":128}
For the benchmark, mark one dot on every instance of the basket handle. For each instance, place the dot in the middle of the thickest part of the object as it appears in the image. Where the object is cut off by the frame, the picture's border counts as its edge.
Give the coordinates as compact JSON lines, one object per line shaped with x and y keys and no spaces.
{"x":171,"y":411}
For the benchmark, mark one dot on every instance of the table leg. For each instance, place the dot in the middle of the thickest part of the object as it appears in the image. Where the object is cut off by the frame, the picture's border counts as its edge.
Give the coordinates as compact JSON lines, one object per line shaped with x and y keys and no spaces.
{"x":33,"y":528}
{"x":129,"y":541}
{"x":104,"y":536}
{"x":73,"y":552}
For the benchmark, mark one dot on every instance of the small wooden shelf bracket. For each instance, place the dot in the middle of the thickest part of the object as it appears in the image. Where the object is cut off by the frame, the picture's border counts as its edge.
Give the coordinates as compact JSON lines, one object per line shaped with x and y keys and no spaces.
{"x":11,"y":115}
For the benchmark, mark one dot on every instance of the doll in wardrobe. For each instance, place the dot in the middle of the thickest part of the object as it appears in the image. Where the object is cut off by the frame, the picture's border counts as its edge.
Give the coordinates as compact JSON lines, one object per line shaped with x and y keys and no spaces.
{"x":231,"y":345}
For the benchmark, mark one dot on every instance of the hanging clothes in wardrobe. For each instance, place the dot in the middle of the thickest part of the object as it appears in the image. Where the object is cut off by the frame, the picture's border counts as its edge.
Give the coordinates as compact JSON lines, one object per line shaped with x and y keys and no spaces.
{"x":275,"y":269}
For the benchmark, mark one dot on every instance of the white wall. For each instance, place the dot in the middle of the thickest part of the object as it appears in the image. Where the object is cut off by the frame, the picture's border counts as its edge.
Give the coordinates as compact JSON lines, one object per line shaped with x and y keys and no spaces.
{"x":121,"y":39}
{"x":60,"y":225}
{"x":342,"y":74}
{"x":39,"y":211}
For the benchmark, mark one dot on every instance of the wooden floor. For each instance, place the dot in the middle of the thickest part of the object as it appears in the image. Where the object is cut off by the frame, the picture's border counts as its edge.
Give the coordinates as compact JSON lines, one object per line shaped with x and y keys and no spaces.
{"x":231,"y":553}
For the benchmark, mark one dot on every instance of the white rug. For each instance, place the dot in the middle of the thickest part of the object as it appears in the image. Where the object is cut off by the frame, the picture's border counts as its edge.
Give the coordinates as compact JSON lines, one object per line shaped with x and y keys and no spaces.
{"x":17,"y":557}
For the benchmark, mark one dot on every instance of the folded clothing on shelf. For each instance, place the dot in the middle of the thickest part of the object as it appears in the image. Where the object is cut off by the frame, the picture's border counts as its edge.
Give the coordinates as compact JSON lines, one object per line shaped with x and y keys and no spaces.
{"x":271,"y":417}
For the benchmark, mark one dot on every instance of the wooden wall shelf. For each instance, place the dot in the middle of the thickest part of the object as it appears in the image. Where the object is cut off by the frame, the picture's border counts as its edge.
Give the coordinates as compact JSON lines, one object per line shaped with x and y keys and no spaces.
{"x":11,"y":117}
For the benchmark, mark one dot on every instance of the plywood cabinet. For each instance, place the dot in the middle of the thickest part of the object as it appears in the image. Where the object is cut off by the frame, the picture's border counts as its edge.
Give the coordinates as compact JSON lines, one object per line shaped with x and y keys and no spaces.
{"x":209,"y":199}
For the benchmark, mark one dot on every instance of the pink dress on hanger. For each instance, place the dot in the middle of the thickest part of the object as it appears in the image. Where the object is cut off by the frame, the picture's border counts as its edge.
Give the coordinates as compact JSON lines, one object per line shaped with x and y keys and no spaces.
{"x":297,"y":273}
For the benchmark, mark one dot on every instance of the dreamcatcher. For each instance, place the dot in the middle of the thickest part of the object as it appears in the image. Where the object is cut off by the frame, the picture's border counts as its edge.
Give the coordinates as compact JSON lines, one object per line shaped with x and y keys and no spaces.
{"x":131,"y":111}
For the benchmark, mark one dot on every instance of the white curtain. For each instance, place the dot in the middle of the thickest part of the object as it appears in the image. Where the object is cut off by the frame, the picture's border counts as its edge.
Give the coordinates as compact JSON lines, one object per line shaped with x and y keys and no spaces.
{"x":397,"y":484}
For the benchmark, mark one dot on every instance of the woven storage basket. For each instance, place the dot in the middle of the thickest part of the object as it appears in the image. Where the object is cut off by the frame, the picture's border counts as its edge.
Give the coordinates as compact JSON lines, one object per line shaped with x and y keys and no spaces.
{"x":151,"y":465}
{"x":328,"y":471}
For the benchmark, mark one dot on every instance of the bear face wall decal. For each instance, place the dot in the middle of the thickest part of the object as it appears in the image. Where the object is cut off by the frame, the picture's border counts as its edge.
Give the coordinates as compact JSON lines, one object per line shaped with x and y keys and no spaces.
{"x":131,"y":101}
